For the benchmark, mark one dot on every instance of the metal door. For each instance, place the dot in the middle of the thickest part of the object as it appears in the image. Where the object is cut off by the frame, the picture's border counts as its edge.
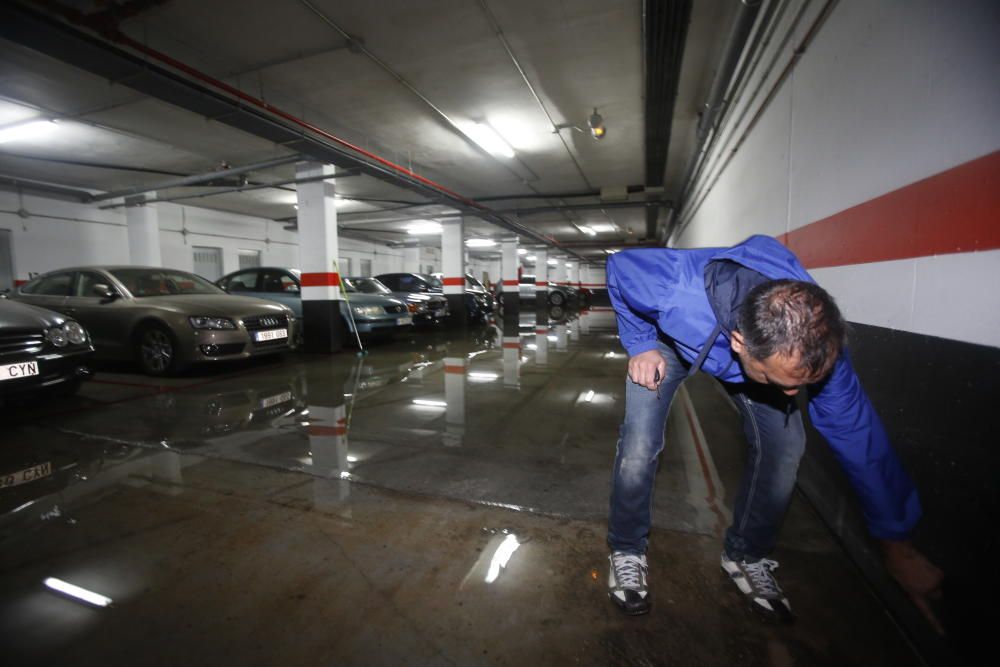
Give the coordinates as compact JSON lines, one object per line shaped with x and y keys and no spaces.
{"x":249,"y":259}
{"x":6,"y":261}
{"x":208,"y":262}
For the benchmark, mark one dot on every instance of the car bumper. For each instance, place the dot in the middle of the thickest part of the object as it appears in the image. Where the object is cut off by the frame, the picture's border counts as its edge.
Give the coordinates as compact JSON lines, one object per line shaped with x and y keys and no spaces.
{"x":53,"y":370}
{"x":384,"y":324}
{"x":208,"y":345}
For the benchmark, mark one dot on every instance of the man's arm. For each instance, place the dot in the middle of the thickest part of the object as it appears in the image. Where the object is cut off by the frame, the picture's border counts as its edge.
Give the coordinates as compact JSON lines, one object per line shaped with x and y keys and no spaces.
{"x":841,"y":412}
{"x":636,"y":329}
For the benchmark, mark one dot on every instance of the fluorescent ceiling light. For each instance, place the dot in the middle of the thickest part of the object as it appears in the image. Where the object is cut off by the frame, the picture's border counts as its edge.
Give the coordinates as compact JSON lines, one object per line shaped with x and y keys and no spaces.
{"x":29,"y":130}
{"x":479,"y":376}
{"x":429,"y":404}
{"x":531,"y":258}
{"x":589,"y":397}
{"x":480,"y":243}
{"x":603,"y":227}
{"x":553,"y":262}
{"x":488,"y":139}
{"x":610,"y":252}
{"x":424,"y":227}
{"x":93,"y":598}
{"x":522,"y":251}
{"x":553,"y":338}
{"x":589,"y":231}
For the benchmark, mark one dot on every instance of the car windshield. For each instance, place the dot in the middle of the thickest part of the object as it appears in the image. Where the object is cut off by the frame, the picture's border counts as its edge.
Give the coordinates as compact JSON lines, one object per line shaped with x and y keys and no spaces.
{"x":430,"y":280}
{"x":474,"y":282}
{"x":365,"y":286}
{"x":160,"y":282}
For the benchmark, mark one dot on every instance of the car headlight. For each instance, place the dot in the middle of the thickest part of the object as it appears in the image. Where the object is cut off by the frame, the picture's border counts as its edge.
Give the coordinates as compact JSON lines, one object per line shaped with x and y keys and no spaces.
{"x":76,"y":334}
{"x":205,"y":322}
{"x":57,"y":336}
{"x":367,"y":311}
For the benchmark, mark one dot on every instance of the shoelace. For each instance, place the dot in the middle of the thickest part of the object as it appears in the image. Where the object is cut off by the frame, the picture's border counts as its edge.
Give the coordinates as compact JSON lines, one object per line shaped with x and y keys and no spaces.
{"x":628,"y":570}
{"x":761,"y":578}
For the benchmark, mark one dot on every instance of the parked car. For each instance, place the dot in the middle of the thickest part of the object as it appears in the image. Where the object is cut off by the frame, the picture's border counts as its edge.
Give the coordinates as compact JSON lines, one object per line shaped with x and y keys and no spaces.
{"x":559,"y":295}
{"x":164,"y":319}
{"x":422,"y":283}
{"x":374,"y":308}
{"x":485,"y":299}
{"x":41,"y":350}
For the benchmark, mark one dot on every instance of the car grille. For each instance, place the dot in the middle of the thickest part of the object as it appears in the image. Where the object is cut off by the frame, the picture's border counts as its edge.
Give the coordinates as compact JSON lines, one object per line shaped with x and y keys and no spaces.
{"x":21,"y":342}
{"x":395,"y":309}
{"x":269,"y":321}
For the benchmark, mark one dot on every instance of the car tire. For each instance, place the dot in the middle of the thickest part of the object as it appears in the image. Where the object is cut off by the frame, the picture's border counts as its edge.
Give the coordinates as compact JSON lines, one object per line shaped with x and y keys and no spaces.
{"x":557,"y":298}
{"x":156,"y":351}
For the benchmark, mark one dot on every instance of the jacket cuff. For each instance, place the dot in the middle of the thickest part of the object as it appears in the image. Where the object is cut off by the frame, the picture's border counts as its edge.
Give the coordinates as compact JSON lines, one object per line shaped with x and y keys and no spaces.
{"x":642,"y":346}
{"x":898,"y":530}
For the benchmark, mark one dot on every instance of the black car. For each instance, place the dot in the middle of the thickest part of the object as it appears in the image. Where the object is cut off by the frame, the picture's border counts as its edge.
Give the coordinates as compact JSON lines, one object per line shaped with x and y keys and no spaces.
{"x":41,"y":350}
{"x":419,"y":289}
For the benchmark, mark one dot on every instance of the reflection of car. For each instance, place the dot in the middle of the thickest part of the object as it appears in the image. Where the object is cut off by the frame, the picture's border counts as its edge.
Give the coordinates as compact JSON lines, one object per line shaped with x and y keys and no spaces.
{"x":558,"y":294}
{"x":373,"y":305}
{"x":163,"y":318}
{"x":40,"y":350}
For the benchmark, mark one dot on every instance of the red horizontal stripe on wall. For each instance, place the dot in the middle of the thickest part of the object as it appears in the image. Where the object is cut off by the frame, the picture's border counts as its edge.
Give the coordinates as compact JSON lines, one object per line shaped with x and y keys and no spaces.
{"x":955,"y":211}
{"x":453,"y":281}
{"x":18,"y":283}
{"x":511,"y":282}
{"x":595,"y":285}
{"x":320,"y":279}
{"x":541,"y":283}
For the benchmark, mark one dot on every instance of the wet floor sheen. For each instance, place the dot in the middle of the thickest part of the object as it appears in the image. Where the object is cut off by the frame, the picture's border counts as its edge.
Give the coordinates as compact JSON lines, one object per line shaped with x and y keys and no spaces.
{"x":440,"y":501}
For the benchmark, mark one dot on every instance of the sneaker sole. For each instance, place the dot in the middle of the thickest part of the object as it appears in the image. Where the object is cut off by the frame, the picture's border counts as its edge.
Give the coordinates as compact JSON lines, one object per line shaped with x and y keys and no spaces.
{"x":781,"y":615}
{"x":627,"y":611}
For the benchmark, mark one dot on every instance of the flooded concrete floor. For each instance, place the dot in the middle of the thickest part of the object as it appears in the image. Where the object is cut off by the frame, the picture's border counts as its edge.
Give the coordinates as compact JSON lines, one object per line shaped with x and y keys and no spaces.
{"x":344,"y":511}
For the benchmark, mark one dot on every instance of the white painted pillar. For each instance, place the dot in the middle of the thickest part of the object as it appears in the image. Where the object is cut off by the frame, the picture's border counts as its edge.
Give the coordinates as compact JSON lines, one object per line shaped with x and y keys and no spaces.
{"x":541,"y":279}
{"x":143,"y":225}
{"x":560,"y":271}
{"x":453,"y":269}
{"x":455,"y":370}
{"x":541,"y":345}
{"x":325,"y":329}
{"x":511,"y":295}
{"x":572,"y":277}
{"x":511,"y":361}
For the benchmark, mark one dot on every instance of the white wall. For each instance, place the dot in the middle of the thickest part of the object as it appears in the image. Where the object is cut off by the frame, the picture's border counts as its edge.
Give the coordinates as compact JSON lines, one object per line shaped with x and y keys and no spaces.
{"x":887,"y":94}
{"x":57,"y":233}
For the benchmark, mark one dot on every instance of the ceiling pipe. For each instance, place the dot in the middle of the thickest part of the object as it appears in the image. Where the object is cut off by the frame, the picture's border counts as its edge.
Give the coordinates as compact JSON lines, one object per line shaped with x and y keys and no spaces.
{"x":44,"y":188}
{"x":201,"y":92}
{"x":600,"y":206}
{"x":198,"y":178}
{"x":242,"y":188}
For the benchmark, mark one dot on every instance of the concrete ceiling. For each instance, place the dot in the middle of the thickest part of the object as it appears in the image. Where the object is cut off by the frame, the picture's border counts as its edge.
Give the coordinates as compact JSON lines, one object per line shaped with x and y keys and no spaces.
{"x":455,"y":68}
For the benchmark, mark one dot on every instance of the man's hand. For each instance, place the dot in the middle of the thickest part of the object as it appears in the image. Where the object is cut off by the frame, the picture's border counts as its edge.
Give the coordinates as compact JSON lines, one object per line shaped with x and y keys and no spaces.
{"x":920,"y":578}
{"x":643,"y":367}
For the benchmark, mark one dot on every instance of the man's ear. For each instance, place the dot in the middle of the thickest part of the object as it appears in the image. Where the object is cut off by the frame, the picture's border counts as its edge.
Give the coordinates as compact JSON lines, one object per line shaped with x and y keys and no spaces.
{"x":736,"y":342}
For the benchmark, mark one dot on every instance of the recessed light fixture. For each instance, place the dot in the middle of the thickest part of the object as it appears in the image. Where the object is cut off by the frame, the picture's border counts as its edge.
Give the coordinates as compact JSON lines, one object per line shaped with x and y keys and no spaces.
{"x":553,"y":262}
{"x":480,"y":243}
{"x":589,"y":231}
{"x":83,"y":594}
{"x":488,"y":139}
{"x":531,"y":258}
{"x":522,"y":251}
{"x":30,"y":130}
{"x":603,"y":227}
{"x":424,"y":227}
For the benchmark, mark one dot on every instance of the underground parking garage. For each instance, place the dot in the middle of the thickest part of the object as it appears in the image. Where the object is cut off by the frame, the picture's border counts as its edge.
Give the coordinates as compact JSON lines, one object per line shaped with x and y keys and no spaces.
{"x":486,"y":332}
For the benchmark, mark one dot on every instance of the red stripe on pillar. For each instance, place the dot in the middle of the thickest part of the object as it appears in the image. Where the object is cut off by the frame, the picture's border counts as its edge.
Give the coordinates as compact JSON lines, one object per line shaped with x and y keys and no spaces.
{"x":955,"y":211}
{"x":316,"y":429}
{"x":541,"y":283}
{"x":512,"y":346}
{"x":320,"y":280}
{"x":453,"y":281}
{"x":460,"y":370}
{"x":18,"y":283}
{"x":510,"y":282}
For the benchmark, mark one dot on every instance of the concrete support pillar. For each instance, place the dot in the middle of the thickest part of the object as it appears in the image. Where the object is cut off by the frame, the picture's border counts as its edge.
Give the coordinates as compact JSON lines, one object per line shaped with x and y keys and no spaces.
{"x":541,"y":345}
{"x":512,"y":361}
{"x":560,"y":271}
{"x":143,"y":225}
{"x":542,"y":286}
{"x":455,"y":370}
{"x":453,"y":270}
{"x":324,"y":327}
{"x":572,"y":275}
{"x":411,"y":259}
{"x":508,"y":271}
{"x":326,"y":428}
{"x":561,"y":337}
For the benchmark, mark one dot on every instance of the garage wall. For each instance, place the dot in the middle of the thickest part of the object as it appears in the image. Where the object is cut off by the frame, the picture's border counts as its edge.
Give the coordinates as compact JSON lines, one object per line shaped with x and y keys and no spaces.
{"x":53,"y":233}
{"x":876,"y":160}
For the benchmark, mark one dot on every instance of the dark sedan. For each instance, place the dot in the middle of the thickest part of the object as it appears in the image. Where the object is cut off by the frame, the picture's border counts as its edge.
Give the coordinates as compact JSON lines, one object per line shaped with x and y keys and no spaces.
{"x":41,"y":350}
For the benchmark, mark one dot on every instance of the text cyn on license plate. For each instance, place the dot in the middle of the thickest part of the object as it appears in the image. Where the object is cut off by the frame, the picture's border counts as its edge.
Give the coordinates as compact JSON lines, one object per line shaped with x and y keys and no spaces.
{"x":277,"y":399}
{"x":16,"y":371}
{"x":403,"y":321}
{"x":270,"y":334}
{"x":27,"y":475}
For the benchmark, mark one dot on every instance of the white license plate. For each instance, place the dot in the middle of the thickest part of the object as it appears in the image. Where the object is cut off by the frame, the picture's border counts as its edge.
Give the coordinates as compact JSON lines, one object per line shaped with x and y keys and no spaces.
{"x":275,"y":400}
{"x":403,"y":321}
{"x":440,"y":313}
{"x":27,"y":475}
{"x":15,"y":371}
{"x":270,"y":334}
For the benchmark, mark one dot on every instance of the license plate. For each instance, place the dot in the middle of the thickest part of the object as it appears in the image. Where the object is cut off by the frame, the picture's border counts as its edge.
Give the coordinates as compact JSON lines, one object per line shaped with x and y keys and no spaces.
{"x":270,"y":334}
{"x":27,"y":475}
{"x":403,"y":321}
{"x":440,"y":313}
{"x":15,"y":371}
{"x":271,"y":401}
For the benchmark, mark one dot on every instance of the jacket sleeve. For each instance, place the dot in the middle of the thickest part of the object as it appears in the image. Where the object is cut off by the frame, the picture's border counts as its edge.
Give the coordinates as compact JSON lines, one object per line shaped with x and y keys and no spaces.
{"x":636,"y":317}
{"x":842,"y":413}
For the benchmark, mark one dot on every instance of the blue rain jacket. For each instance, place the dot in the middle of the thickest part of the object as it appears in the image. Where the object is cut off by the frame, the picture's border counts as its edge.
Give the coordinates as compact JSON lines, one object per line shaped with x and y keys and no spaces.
{"x":662,"y":292}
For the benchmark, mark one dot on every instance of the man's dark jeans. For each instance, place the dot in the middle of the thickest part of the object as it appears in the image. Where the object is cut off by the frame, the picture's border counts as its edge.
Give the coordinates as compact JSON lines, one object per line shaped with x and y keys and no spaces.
{"x":773,"y":427}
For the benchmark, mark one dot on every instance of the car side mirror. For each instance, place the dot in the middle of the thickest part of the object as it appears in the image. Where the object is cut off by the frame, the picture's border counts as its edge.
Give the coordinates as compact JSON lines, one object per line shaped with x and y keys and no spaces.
{"x":104,"y":292}
{"x":293,"y":289}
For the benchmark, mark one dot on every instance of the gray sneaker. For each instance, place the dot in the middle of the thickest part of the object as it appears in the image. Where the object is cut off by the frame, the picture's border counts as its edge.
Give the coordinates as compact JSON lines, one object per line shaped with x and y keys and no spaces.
{"x":756,"y":581}
{"x":627,"y":582}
